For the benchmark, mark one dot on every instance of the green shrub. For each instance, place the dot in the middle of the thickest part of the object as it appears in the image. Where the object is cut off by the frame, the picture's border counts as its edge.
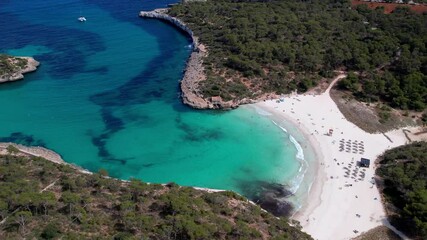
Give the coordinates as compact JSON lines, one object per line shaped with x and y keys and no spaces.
{"x":12,"y":149}
{"x":51,"y":231}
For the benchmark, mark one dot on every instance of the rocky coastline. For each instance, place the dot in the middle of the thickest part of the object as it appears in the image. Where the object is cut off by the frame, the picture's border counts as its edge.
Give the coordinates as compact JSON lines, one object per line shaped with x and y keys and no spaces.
{"x":30,"y":66}
{"x":32,"y":151}
{"x":162,"y":14}
{"x":194,"y":71}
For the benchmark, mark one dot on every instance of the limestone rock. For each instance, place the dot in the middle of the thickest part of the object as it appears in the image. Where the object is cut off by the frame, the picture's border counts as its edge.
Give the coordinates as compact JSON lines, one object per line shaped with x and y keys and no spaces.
{"x":194,"y":71}
{"x":30,"y":66}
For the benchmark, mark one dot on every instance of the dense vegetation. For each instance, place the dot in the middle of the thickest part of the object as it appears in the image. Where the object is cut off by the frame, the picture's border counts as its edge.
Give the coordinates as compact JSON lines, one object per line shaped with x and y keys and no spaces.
{"x":279,"y":46}
{"x":404,"y":171}
{"x":404,"y":91}
{"x":9,"y":64}
{"x":43,"y":200}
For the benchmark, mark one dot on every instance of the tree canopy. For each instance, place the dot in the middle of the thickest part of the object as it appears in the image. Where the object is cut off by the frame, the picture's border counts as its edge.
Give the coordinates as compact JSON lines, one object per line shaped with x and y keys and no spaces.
{"x":43,"y":200}
{"x":404,"y":171}
{"x":279,"y":46}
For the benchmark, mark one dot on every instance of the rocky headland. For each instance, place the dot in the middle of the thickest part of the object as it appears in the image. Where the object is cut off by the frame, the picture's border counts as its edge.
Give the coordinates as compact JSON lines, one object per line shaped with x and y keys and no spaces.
{"x":194,"y":72}
{"x":21,"y":150}
{"x":14,"y":68}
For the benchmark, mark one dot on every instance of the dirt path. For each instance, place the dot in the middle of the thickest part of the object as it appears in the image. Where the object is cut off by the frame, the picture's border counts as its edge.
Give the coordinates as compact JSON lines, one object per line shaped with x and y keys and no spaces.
{"x":336,"y":79}
{"x":49,"y":186}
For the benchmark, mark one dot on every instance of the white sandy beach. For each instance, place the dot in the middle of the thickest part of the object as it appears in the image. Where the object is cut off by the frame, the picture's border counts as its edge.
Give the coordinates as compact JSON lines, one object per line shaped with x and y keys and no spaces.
{"x":343,"y":201}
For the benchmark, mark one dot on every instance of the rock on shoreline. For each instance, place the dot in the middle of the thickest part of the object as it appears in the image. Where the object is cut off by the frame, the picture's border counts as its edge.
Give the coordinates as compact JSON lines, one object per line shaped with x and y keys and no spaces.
{"x":194,"y":71}
{"x":161,"y":13}
{"x":38,"y":152}
{"x":30,"y":66}
{"x":33,"y":151}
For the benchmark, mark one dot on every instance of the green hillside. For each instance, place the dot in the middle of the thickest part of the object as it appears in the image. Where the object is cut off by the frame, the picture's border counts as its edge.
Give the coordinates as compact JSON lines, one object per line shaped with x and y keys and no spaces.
{"x":279,"y":46}
{"x":43,"y":200}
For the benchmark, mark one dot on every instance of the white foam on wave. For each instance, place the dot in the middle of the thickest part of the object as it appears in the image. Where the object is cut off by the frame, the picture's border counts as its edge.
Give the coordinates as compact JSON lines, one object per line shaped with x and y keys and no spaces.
{"x":263,"y":112}
{"x":300,"y":152}
{"x":297,"y":181}
{"x":284,"y":129}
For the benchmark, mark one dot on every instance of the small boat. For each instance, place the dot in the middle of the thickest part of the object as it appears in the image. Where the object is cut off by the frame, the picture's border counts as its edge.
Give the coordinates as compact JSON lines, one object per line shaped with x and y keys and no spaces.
{"x":81,"y":19}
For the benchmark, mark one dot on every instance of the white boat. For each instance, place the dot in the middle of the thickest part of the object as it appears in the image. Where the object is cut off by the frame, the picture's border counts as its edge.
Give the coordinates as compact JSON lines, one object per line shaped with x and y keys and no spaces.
{"x":81,"y":19}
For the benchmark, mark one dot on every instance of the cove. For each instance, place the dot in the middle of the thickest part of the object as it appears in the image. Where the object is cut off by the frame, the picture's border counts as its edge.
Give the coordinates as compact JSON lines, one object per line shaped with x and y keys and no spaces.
{"x":107,"y":96}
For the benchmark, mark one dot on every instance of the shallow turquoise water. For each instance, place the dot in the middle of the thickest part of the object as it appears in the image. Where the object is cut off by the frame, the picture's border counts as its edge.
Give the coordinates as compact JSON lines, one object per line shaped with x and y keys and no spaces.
{"x":107,"y":96}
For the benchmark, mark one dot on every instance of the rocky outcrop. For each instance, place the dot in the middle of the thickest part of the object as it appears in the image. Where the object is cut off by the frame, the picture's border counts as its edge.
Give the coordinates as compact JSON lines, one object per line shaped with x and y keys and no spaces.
{"x":161,"y":13}
{"x":32,"y":151}
{"x":194,"y":72}
{"x":190,"y":84}
{"x":18,"y":72}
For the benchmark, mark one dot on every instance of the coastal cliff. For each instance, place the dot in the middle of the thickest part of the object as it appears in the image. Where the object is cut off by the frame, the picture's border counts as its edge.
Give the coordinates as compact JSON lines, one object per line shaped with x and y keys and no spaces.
{"x":14,"y":68}
{"x":194,"y":72}
{"x":161,"y":13}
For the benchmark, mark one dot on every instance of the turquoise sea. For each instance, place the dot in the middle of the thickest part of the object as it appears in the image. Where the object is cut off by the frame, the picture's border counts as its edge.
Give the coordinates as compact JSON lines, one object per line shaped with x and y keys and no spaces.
{"x":107,"y":96}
